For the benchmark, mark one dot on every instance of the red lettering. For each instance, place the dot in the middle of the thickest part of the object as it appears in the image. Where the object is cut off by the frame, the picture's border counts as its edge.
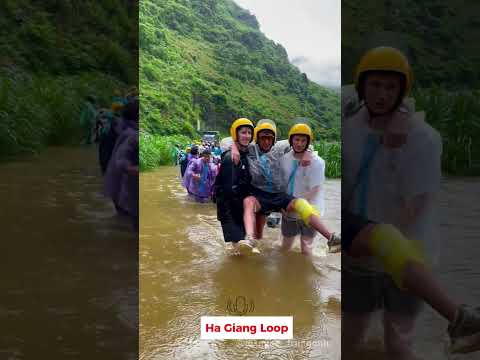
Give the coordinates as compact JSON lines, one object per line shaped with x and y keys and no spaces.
{"x":212,"y":328}
{"x":274,"y":328}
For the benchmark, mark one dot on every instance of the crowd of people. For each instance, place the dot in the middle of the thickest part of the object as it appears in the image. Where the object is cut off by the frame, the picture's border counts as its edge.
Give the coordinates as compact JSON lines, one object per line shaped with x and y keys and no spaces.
{"x":199,"y":165}
{"x":390,"y":182}
{"x":251,"y":175}
{"x":115,"y":130}
{"x":391,"y":178}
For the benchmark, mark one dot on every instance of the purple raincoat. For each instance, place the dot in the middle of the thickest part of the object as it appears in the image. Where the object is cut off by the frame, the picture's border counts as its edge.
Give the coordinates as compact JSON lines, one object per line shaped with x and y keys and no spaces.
{"x":119,"y":185}
{"x":201,"y":189}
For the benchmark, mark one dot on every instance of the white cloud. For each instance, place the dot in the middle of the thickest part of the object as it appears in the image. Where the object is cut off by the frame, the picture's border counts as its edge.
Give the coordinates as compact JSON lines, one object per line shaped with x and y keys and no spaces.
{"x":310,"y":31}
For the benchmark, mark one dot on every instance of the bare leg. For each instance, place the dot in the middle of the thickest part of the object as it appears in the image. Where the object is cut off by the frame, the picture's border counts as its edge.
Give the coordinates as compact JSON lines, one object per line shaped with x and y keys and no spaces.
{"x":260,"y":221}
{"x":250,"y":207}
{"x":306,"y":244}
{"x":287,"y":243}
{"x":318,"y":225}
{"x":398,"y":330}
{"x":418,"y":280}
{"x":354,"y":328}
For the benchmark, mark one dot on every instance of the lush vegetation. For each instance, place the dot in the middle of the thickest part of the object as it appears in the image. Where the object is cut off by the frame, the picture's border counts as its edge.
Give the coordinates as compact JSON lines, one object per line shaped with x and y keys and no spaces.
{"x":157,"y":150}
{"x":440,"y":38}
{"x":38,"y":110}
{"x":204,"y":63}
{"x":53,"y":55}
{"x":457,"y":116}
{"x":331,"y":153}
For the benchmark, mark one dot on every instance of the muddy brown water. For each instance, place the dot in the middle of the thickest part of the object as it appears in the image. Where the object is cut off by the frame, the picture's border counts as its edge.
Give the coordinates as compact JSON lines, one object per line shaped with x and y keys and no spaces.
{"x":69,"y":287}
{"x":70,"y":271}
{"x":185,"y":273}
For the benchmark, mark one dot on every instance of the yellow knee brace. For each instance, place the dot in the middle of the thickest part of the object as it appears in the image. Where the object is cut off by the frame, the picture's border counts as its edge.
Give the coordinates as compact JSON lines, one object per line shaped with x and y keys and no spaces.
{"x":304,"y":209}
{"x":394,"y":250}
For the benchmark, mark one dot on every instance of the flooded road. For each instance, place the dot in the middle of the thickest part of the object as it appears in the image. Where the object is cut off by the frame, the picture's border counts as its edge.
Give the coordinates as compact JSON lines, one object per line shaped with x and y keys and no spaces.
{"x":185,"y":273}
{"x":458,"y":271}
{"x":70,"y":275}
{"x":69,"y":265}
{"x":459,"y":266}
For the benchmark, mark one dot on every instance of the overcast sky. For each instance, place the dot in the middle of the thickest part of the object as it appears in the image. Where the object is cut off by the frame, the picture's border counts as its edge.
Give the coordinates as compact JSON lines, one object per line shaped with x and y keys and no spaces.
{"x":309,"y":30}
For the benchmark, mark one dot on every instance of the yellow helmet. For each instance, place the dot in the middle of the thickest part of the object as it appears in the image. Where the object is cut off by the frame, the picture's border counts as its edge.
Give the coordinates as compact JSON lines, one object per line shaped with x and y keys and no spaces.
{"x":188,"y":149}
{"x":265,"y":124}
{"x":237,"y":124}
{"x":117,"y":107}
{"x":300,"y":129}
{"x":384,"y":58}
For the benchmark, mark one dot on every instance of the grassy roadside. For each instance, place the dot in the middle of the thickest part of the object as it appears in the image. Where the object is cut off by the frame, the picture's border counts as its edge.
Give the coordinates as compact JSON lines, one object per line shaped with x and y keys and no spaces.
{"x":40,"y":110}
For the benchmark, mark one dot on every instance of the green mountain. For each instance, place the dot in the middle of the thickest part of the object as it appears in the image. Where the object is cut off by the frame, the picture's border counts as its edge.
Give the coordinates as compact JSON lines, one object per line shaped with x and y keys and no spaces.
{"x":440,"y":37}
{"x":70,"y":37}
{"x":54,"y":53}
{"x":205,"y":62}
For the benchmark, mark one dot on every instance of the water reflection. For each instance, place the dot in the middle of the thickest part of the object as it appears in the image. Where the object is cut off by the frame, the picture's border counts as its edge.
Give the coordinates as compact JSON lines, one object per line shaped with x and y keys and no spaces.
{"x":69,"y":285}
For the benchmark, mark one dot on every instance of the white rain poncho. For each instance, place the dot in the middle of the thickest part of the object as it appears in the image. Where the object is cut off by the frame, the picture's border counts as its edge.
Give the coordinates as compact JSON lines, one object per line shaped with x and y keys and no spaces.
{"x":393,"y":177}
{"x":300,"y":180}
{"x":265,"y":168}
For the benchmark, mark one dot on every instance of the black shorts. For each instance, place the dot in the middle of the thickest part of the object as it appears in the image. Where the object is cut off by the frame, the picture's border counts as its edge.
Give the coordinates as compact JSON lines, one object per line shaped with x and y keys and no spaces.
{"x":230,"y":215}
{"x":272,"y":202}
{"x":365,"y":292}
{"x":351,"y":225}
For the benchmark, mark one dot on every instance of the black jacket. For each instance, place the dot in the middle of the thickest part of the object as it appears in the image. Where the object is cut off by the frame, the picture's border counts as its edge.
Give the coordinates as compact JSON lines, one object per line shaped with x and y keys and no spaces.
{"x":233,"y":181}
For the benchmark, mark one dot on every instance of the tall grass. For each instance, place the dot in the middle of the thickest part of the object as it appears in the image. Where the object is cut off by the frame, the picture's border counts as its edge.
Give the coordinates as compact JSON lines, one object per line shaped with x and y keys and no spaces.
{"x":331,"y":153}
{"x":38,"y":110}
{"x":456,"y":115}
{"x":156,"y":150}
